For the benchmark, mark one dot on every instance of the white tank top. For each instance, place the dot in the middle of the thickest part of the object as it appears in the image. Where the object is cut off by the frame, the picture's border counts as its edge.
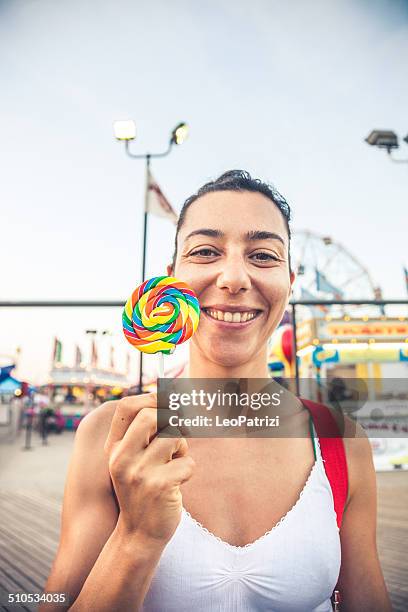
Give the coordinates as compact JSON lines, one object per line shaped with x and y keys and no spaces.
{"x":293,"y":567}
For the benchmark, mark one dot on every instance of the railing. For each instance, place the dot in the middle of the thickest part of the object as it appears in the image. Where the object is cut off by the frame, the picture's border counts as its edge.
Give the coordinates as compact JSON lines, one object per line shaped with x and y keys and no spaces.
{"x":115,"y":303}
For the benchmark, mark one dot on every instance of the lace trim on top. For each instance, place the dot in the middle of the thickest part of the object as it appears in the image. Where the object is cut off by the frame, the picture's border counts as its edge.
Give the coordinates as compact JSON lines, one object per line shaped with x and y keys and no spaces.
{"x":316,"y":465}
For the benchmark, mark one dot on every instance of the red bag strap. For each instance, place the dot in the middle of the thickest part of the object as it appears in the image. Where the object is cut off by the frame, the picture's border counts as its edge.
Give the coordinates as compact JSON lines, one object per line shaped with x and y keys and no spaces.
{"x":333,"y":454}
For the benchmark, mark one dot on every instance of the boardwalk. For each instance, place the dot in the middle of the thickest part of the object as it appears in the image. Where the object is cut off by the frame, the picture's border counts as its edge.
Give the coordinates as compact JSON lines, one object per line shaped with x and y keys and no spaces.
{"x":392,"y":534}
{"x":30,"y":515}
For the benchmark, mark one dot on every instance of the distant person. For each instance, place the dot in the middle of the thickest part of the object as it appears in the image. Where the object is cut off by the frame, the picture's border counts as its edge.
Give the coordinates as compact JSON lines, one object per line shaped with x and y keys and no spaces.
{"x":218,"y":524}
{"x":337,"y":390}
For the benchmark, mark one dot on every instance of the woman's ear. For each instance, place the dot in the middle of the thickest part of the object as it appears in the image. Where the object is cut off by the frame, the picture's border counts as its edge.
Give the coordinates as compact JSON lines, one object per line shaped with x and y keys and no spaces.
{"x":169,"y":270}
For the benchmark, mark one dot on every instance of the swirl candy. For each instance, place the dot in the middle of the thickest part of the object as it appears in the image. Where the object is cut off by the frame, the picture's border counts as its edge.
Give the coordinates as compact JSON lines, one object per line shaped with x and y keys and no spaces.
{"x":161,"y":313}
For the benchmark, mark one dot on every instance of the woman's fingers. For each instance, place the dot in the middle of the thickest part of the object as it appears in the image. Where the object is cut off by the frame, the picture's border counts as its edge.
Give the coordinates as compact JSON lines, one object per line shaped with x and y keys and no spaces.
{"x":125,"y":413}
{"x":163,"y":450}
{"x":142,"y":430}
{"x":179,"y":470}
{"x":147,"y":470}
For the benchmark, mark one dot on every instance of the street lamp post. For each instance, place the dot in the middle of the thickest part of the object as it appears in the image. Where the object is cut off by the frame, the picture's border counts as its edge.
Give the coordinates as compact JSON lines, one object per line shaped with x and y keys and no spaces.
{"x":126,"y":131}
{"x":386,"y":139}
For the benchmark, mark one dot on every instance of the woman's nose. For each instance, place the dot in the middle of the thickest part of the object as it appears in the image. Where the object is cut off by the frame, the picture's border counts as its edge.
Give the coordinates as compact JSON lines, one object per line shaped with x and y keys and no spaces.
{"x":233,"y":275}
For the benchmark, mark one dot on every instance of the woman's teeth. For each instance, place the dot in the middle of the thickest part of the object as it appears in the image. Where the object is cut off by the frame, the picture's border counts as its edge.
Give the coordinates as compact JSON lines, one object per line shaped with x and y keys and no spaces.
{"x":231,"y":317}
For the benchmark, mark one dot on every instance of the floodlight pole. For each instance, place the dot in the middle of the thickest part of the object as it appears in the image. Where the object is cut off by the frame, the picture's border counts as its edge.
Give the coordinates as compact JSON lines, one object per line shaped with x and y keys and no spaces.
{"x":147,"y":157}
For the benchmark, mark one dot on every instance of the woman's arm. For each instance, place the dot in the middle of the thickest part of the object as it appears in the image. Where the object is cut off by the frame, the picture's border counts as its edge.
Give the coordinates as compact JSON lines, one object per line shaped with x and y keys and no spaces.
{"x":99,"y":566}
{"x":111,"y":542}
{"x":361,"y":582}
{"x":89,"y":512}
{"x":121,"y":576}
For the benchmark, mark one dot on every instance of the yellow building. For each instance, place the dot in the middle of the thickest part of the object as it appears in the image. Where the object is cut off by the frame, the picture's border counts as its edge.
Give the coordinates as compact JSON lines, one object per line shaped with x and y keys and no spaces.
{"x":368,"y":348}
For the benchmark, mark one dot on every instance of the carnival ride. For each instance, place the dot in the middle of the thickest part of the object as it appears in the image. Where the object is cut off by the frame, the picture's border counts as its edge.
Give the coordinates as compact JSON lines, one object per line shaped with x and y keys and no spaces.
{"x":327,"y":270}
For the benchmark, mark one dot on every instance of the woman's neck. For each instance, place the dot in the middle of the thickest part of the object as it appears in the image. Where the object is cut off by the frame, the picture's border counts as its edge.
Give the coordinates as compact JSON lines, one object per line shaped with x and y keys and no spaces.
{"x":201,"y":367}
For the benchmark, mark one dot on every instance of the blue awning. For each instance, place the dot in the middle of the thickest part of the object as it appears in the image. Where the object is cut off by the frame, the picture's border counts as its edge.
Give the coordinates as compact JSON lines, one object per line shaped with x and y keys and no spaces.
{"x":9,"y":385}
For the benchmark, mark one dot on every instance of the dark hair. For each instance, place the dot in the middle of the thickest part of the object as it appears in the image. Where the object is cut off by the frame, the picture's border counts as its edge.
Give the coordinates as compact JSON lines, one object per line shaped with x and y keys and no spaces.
{"x":237,"y":180}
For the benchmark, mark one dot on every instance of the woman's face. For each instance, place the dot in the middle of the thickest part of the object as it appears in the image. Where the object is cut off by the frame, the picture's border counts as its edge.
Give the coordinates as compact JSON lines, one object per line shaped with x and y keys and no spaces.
{"x":233,"y":251}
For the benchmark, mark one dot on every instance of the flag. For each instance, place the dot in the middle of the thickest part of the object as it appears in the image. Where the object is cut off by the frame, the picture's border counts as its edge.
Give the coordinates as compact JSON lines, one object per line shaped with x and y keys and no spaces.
{"x":322,"y":284}
{"x":57,"y":353}
{"x":94,"y":354}
{"x":317,"y":310}
{"x":406,"y":277}
{"x":78,"y":357}
{"x":5,"y":372}
{"x":157,"y":203}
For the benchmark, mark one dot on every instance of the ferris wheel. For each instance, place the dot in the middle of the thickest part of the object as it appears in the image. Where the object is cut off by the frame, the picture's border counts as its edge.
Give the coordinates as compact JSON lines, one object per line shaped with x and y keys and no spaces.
{"x":327,"y":270}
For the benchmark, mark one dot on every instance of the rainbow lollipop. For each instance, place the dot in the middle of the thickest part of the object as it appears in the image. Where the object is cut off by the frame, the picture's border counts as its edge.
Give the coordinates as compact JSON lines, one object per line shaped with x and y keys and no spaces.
{"x":160,"y":314}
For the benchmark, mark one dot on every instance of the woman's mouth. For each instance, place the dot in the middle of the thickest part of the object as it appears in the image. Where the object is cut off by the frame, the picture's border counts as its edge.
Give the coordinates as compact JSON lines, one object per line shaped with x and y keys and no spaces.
{"x":231,"y":319}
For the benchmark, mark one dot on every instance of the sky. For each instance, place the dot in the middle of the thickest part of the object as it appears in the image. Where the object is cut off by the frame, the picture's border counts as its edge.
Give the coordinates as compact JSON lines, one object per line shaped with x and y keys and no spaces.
{"x":287,"y":91}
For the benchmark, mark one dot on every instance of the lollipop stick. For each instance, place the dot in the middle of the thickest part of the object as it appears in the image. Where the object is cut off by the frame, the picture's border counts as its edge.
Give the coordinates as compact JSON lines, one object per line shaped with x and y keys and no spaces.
{"x":161,"y":365}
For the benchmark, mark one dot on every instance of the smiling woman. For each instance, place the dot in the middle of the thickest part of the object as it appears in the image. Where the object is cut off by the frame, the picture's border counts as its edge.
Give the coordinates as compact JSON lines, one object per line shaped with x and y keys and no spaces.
{"x":233,"y":246}
{"x":221,"y":524}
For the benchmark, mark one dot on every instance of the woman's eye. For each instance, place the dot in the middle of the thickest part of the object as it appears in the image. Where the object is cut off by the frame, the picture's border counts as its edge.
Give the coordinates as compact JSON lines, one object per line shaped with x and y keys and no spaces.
{"x":266,"y":257}
{"x":204,"y":252}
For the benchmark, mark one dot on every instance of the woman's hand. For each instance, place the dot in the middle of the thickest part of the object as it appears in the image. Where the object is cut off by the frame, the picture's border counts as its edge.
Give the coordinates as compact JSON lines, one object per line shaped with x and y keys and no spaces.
{"x":146,"y":471}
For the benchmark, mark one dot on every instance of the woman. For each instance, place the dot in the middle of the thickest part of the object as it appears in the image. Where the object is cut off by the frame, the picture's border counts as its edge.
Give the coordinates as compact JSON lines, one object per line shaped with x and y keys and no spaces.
{"x":231,"y":524}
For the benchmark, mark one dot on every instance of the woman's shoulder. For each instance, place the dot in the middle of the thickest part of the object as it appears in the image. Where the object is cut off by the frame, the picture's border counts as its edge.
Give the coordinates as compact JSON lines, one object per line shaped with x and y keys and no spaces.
{"x":98,"y":421}
{"x":359,"y":457}
{"x":357,"y":447}
{"x":88,"y":477}
{"x":90,"y":438}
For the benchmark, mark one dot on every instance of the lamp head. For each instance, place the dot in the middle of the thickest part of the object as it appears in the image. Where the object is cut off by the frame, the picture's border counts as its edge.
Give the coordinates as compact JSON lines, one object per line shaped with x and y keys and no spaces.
{"x":383,"y":139}
{"x":124,"y":129}
{"x":179,"y":134}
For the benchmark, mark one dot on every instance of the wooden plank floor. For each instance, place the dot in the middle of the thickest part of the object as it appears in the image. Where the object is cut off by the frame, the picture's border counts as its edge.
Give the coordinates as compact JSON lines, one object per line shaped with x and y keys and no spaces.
{"x":30,"y":523}
{"x":29,"y":534}
{"x":392,"y":533}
